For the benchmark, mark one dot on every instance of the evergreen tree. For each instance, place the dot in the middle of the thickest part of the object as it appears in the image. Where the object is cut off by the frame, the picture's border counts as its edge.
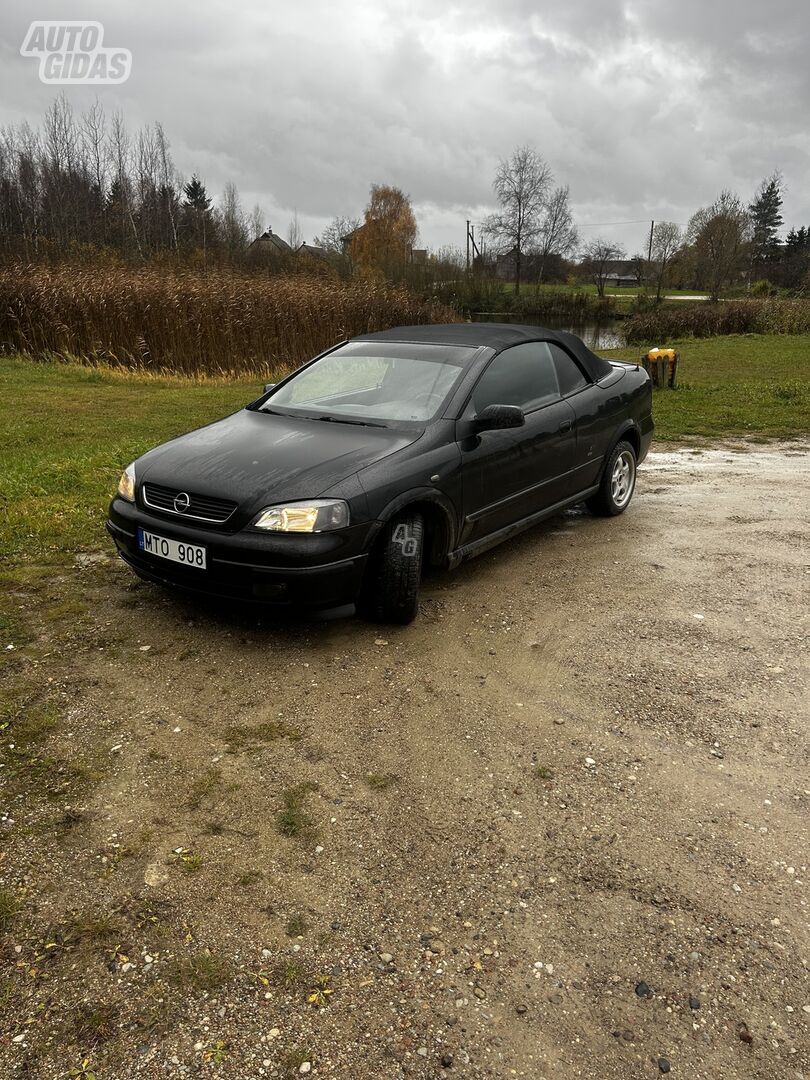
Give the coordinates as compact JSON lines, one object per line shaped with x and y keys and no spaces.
{"x":196,"y":219}
{"x":196,"y":197}
{"x":766,"y":219}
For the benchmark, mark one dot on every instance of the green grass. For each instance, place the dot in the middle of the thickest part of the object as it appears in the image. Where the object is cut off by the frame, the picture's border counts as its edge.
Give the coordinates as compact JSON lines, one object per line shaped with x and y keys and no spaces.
{"x":579,"y":303}
{"x":293,"y":820}
{"x":204,"y":785}
{"x":590,"y":289}
{"x":92,"y":1022}
{"x":752,"y":384}
{"x":68,"y":431}
{"x":200,"y":971}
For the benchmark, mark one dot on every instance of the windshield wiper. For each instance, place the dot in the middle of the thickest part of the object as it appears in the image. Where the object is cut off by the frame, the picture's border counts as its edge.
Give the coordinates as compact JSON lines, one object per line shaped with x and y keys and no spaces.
{"x":345,"y":420}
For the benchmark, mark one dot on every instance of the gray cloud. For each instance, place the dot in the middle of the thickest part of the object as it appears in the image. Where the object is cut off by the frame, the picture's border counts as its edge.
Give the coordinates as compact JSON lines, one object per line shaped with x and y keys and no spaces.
{"x":647,"y":109}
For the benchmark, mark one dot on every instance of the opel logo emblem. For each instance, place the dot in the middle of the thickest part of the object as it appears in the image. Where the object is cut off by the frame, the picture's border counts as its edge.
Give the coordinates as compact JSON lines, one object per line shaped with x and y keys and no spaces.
{"x":182,"y":502}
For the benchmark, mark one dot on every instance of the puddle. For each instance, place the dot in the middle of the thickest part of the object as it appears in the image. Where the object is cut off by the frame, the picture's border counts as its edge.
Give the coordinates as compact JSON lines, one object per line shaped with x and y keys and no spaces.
{"x":692,"y":460}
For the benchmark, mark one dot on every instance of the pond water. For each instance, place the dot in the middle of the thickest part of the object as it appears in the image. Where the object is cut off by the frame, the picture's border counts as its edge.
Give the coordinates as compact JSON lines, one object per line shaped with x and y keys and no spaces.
{"x":596,"y":335}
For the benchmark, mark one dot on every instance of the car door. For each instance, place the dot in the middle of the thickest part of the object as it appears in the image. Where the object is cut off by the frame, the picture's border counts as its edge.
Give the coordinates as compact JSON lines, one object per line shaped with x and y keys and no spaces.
{"x":511,"y":474}
{"x":594,"y":428}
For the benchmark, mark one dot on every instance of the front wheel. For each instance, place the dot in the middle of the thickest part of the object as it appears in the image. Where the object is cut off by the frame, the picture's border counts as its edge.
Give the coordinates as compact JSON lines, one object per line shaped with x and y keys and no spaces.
{"x":391,"y":592}
{"x":618,"y":483}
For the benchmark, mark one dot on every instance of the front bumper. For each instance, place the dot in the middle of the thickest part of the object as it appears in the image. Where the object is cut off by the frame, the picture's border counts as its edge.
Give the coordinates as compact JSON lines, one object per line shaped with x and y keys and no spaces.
{"x":321,"y":570}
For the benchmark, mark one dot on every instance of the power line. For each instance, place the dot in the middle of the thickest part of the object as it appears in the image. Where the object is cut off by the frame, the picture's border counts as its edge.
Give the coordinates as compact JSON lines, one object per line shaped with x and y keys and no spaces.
{"x":605,"y":224}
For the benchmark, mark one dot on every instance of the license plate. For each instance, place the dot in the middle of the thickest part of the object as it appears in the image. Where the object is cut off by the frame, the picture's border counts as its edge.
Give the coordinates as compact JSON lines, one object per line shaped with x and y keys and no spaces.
{"x":173,"y":550}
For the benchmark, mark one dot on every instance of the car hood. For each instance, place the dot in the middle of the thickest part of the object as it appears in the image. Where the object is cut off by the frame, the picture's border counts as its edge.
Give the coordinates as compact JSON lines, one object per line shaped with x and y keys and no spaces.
{"x":258,"y":456}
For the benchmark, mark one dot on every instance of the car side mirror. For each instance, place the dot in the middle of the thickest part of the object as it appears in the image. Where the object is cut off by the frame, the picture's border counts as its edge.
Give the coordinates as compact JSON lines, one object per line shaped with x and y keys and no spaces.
{"x":498,"y":417}
{"x":268,"y":386}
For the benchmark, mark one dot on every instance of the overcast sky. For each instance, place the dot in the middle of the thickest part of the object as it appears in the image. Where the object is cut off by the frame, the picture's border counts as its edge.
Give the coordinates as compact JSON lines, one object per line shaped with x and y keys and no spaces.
{"x":646,"y":109}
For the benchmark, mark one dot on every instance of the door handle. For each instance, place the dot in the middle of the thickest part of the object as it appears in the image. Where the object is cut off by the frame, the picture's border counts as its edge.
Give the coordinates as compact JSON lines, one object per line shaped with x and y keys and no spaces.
{"x":566,"y":425}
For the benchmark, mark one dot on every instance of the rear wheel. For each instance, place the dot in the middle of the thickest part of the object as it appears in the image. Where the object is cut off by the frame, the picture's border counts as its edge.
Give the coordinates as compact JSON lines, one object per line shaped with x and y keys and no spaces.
{"x":391,"y":592}
{"x":618,"y":483}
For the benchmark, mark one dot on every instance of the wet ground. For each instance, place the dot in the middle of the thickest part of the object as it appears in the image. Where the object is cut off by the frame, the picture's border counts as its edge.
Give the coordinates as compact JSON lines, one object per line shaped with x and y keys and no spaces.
{"x":558,"y":827}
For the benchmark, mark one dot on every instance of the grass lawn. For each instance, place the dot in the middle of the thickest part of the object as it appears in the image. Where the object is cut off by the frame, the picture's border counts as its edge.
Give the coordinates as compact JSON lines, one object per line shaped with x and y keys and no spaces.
{"x":590,"y":289}
{"x":68,"y":431}
{"x":749,"y":385}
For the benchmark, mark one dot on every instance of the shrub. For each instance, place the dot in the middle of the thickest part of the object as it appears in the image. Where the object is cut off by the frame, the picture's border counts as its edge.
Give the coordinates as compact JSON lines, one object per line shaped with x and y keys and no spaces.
{"x":763,"y":288}
{"x":772,"y":316}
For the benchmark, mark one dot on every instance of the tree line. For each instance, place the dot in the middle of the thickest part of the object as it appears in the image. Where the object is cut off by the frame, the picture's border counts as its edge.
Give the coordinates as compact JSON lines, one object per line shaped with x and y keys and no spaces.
{"x":728,"y":243}
{"x":82,"y":184}
{"x":85,"y":182}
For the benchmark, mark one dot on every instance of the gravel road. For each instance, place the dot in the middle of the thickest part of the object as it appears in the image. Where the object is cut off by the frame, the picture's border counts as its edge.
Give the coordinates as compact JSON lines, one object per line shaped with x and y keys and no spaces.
{"x":558,"y":827}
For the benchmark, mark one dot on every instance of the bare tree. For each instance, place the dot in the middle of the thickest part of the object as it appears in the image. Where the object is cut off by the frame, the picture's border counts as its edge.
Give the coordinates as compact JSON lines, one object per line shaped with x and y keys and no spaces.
{"x":333,"y":236}
{"x":232,"y":220}
{"x":638,"y":264}
{"x":521,"y":187}
{"x":295,"y":236}
{"x":255,"y":222}
{"x":168,"y":189}
{"x":147,"y":167}
{"x":558,"y":233}
{"x":59,"y":165}
{"x":667,"y":240}
{"x":22,"y":187}
{"x":92,"y":126}
{"x":61,"y":141}
{"x":597,"y":257}
{"x":93,"y":143}
{"x":121,"y":191}
{"x":720,"y":234}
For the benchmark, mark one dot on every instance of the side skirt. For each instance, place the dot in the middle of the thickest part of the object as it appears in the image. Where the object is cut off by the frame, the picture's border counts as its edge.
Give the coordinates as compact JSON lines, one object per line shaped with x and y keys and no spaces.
{"x":478,"y":547}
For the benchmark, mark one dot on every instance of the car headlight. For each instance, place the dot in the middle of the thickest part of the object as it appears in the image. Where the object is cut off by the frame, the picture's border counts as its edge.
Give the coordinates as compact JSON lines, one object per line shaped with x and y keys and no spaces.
{"x":126,"y":485}
{"x":317,"y":515}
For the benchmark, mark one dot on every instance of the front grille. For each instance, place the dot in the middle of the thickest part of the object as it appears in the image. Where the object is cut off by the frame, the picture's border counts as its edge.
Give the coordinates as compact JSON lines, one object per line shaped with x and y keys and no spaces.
{"x":200,"y":507}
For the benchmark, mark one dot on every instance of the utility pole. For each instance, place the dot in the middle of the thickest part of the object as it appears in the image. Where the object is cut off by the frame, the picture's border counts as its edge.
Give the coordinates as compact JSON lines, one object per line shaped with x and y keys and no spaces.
{"x":468,"y":245}
{"x":649,"y":250}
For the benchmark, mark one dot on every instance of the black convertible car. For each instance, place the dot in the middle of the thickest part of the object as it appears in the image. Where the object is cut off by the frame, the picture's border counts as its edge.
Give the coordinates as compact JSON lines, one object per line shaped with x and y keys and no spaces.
{"x":416,"y":446}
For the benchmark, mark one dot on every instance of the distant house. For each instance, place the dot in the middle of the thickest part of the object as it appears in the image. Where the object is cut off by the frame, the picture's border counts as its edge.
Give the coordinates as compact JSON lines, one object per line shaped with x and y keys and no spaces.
{"x":506,"y":266}
{"x":346,"y":241}
{"x":312,"y":251}
{"x":623,"y":273}
{"x":269,"y":244}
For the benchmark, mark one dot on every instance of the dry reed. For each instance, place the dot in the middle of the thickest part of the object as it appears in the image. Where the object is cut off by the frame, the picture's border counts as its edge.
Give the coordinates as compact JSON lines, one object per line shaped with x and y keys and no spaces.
{"x":193,"y":323}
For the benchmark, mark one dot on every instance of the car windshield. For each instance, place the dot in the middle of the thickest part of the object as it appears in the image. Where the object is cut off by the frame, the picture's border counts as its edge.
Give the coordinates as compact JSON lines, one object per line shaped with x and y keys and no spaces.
{"x":374,"y":381}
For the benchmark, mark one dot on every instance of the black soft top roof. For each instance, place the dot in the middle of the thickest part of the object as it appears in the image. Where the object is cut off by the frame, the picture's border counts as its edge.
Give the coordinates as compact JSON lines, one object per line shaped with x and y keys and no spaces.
{"x":497,"y":336}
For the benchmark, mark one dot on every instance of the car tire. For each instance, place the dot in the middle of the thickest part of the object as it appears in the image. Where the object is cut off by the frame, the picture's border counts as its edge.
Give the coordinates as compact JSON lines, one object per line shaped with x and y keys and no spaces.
{"x":618,"y":482}
{"x":391,"y":593}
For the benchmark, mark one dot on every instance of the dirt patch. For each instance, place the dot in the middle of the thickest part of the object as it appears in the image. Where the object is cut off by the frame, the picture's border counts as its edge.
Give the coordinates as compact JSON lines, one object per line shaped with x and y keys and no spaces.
{"x":557,"y":827}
